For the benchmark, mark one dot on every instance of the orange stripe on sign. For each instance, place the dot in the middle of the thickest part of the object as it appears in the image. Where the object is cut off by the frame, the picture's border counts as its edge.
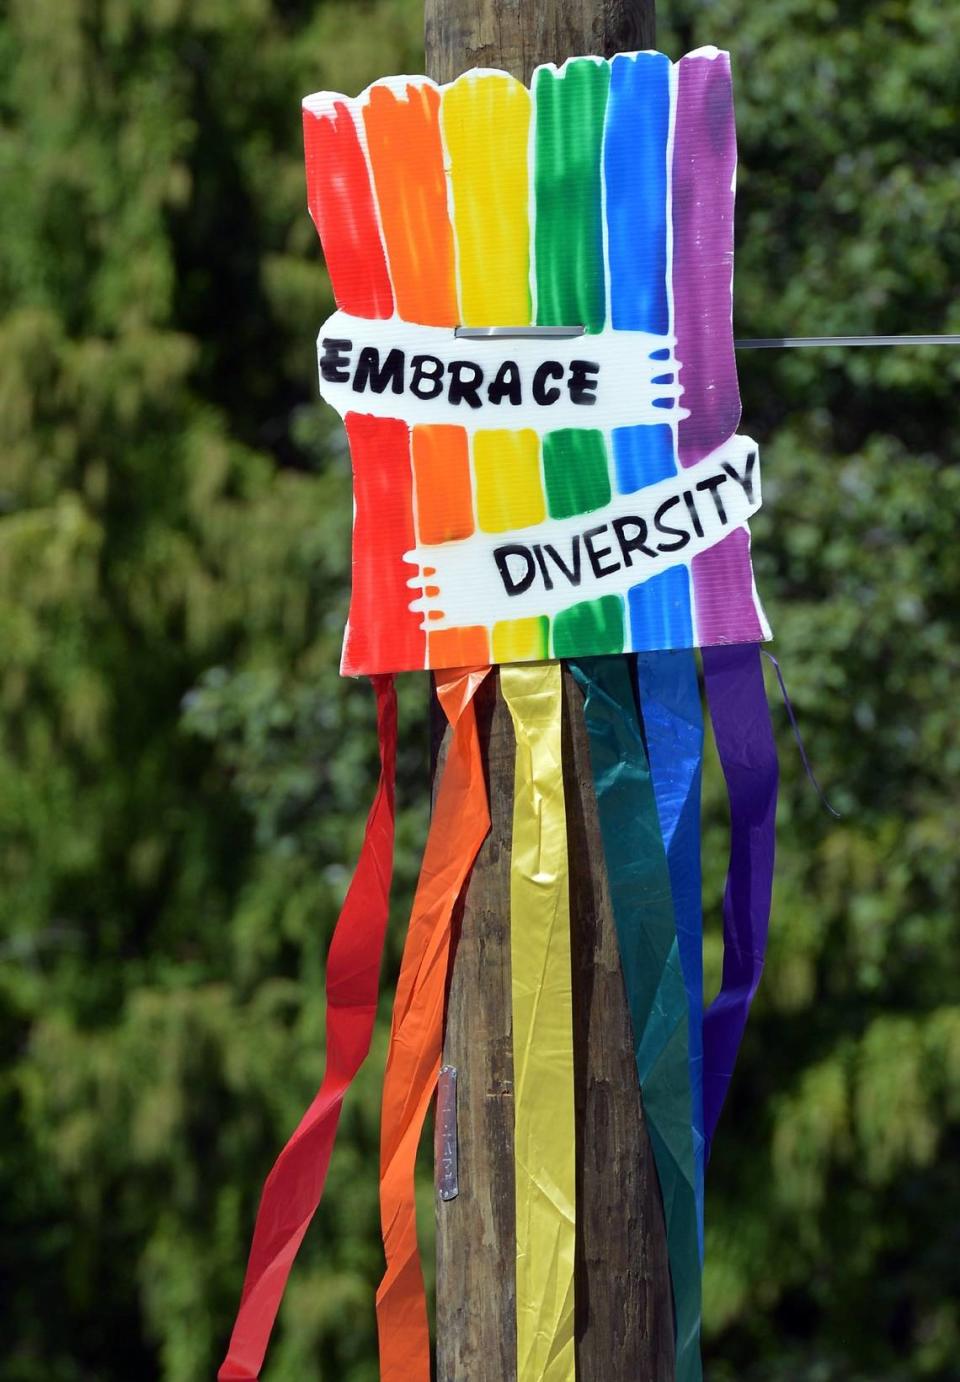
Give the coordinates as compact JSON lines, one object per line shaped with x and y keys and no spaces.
{"x":406,"y":156}
{"x":460,"y":647}
{"x":441,"y":472}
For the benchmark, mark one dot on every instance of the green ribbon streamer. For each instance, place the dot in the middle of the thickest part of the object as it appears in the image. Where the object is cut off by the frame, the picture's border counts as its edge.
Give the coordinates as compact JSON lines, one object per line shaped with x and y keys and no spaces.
{"x":647,"y":934}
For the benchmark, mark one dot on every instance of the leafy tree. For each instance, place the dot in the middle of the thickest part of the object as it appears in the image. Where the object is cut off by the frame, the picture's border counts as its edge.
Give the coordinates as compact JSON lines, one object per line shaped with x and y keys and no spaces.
{"x":183,"y":775}
{"x":830,"y":1252}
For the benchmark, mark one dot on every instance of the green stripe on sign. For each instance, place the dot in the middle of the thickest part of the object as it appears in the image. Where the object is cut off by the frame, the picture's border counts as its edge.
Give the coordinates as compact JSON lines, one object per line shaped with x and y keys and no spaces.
{"x":570,"y":112}
{"x":575,"y":470}
{"x":593,"y":624}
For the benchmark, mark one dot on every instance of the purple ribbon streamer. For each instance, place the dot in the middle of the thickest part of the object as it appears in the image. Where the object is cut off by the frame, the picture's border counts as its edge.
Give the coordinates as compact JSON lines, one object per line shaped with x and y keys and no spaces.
{"x":748,"y":756}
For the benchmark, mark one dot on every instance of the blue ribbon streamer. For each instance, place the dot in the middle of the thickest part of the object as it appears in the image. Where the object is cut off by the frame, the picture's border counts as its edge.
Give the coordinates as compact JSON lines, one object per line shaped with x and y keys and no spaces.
{"x":673,"y":724}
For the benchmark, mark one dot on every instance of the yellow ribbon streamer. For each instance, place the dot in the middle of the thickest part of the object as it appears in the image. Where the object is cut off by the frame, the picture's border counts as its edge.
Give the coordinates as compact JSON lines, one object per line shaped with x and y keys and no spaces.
{"x":542,"y":1029}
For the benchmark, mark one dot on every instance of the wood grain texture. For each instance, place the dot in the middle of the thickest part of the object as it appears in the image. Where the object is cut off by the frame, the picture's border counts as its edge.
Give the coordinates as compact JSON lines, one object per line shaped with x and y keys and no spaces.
{"x":518,"y":34}
{"x":624,"y":1316}
{"x":476,"y":1232}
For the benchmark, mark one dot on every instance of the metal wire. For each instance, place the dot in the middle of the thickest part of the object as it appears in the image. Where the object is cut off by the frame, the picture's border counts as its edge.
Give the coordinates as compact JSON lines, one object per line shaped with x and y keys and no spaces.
{"x":559,"y":333}
{"x":813,"y":342}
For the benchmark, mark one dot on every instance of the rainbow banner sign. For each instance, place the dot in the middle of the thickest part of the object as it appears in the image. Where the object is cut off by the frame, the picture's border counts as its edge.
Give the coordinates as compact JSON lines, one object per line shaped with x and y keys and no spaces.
{"x":520,"y":499}
{"x":533,"y":355}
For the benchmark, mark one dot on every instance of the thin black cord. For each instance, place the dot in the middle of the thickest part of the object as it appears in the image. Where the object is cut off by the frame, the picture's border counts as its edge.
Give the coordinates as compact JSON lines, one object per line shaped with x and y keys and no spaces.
{"x":796,"y":734}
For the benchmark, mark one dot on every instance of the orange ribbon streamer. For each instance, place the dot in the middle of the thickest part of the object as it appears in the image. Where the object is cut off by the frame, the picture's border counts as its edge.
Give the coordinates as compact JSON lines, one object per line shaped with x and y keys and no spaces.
{"x":461,"y":820}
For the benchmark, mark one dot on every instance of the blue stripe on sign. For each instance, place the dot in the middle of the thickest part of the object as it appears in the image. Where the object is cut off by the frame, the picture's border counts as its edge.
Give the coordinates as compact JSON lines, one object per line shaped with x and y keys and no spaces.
{"x":635,"y":173}
{"x":660,"y":612}
{"x":643,"y":455}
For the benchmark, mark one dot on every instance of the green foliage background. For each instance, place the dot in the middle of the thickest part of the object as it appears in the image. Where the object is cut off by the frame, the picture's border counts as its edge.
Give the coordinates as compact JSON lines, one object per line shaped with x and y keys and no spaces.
{"x":183,"y":776}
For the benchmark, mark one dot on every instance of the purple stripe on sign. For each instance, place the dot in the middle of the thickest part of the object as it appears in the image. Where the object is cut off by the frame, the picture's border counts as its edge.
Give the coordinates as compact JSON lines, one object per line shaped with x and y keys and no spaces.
{"x":704,"y":165}
{"x":726,"y":610}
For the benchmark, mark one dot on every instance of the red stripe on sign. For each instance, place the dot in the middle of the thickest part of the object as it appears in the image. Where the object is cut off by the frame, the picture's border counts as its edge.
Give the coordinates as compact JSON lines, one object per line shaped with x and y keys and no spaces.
{"x":382,"y":633}
{"x":341,"y":204}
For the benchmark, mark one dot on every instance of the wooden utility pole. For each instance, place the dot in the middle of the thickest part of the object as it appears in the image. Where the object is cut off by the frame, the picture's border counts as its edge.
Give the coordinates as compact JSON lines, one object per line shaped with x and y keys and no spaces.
{"x":624,"y":1315}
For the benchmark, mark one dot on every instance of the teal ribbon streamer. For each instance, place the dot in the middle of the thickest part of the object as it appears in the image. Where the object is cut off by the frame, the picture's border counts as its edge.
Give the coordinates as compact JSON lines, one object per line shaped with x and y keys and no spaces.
{"x":673,"y":725}
{"x":646,"y":930}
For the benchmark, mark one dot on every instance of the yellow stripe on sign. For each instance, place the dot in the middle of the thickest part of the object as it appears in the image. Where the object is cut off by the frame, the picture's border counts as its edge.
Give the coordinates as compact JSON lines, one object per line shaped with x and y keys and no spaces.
{"x":521,"y":640}
{"x":486,"y":124}
{"x":506,"y":466}
{"x":542,"y":1029}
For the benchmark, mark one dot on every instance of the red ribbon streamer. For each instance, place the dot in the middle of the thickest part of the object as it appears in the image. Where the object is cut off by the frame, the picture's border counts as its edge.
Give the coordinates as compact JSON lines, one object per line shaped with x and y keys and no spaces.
{"x":294,"y":1187}
{"x":461,"y":820}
